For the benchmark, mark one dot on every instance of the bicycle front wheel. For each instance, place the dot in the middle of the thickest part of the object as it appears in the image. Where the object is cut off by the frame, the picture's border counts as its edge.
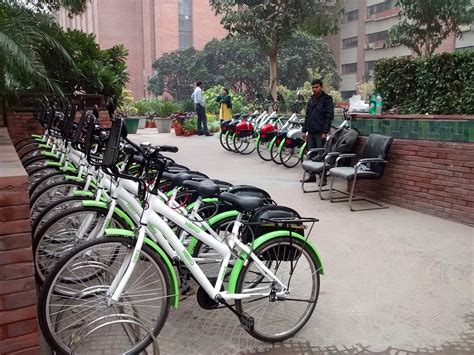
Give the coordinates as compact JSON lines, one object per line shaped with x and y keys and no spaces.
{"x":76,"y":313}
{"x":279,"y":318}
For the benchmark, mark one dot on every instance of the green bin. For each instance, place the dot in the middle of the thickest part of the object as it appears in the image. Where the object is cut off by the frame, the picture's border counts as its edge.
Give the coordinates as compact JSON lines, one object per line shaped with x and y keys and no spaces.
{"x":132,"y":125}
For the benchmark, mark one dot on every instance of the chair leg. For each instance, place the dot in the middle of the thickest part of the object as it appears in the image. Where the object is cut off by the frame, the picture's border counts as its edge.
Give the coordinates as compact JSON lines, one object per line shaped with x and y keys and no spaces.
{"x":360,"y":198}
{"x":351,"y":194}
{"x":302,"y":183}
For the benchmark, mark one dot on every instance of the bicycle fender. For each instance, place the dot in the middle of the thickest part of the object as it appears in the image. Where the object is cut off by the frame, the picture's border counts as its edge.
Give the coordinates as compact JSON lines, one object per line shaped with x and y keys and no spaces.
{"x":73,"y":178}
{"x":258,"y":242}
{"x":54,"y":164}
{"x":302,"y":149}
{"x":112,"y":232}
{"x":282,"y":144}
{"x":257,"y":142}
{"x":118,"y":211}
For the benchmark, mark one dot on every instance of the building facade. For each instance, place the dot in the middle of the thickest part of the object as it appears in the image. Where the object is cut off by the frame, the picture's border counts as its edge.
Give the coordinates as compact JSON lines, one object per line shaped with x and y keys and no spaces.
{"x":149,"y":29}
{"x":361,"y":40}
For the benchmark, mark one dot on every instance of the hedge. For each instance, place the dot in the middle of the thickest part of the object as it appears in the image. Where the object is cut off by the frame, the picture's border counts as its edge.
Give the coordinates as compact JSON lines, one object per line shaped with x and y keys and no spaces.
{"x":438,"y":84}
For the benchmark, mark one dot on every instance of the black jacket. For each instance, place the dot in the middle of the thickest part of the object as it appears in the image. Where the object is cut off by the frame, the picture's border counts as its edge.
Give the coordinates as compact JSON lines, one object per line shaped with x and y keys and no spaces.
{"x":319,"y":114}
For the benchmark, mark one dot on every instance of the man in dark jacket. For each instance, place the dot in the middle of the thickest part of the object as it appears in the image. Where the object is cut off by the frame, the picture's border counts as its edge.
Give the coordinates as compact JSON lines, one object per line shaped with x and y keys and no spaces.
{"x":319,"y":115}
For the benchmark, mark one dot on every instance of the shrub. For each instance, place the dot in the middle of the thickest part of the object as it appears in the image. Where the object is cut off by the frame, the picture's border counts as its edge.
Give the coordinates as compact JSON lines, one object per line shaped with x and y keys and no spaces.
{"x":438,"y":84}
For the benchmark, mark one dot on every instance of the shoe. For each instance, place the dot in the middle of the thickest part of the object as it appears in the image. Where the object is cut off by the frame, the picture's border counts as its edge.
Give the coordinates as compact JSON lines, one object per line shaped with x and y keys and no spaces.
{"x":208,"y":134}
{"x":200,"y":134}
{"x":309,"y":179}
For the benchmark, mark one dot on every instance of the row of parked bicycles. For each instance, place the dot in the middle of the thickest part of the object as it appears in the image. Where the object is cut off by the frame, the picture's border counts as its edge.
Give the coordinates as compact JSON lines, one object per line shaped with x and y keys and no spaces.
{"x":120,"y":231}
{"x":275,"y":138}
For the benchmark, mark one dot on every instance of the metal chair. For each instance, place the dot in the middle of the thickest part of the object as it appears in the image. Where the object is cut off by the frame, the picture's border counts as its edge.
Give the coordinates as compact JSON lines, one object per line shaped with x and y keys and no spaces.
{"x":318,"y":161}
{"x":371,"y":165}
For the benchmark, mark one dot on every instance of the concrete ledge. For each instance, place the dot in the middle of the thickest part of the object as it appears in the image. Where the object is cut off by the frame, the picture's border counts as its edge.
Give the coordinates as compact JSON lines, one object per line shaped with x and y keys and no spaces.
{"x":18,"y":316}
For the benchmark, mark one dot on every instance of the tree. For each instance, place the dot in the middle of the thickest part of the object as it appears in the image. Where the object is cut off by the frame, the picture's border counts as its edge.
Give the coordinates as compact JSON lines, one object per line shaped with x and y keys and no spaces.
{"x":95,"y":70}
{"x":240,"y":64}
{"x":271,"y":22}
{"x":175,"y":73}
{"x":73,"y":7}
{"x":236,"y":63}
{"x":426,"y":23}
{"x":301,"y":52}
{"x":24,"y":34}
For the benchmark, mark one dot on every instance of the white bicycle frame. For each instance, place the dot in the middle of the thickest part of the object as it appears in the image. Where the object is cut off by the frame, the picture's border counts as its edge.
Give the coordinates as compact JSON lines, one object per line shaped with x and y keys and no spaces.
{"x":149,"y":216}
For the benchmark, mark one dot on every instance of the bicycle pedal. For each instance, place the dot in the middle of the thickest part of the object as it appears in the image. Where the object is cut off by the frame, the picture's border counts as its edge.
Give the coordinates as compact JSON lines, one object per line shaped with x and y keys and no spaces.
{"x":248,"y":322}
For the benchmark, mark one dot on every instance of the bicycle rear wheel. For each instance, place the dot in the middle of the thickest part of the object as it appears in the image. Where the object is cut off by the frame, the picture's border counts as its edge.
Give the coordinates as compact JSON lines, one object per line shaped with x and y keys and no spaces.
{"x":296,"y":267}
{"x":76,"y":314}
{"x":264,"y":149}
{"x":290,"y":157}
{"x":274,"y":153}
{"x":222,"y":139}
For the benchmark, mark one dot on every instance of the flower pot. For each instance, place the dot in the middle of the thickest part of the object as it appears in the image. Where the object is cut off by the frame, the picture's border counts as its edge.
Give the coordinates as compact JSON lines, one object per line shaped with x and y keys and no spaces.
{"x":163,"y":124}
{"x":178,"y":130}
{"x":132,"y":124}
{"x":142,"y":122}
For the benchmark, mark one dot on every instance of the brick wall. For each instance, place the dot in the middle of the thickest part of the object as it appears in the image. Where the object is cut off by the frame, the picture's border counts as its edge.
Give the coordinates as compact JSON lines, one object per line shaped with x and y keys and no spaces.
{"x":428,"y":176}
{"x":18,"y":317}
{"x":22,"y":125}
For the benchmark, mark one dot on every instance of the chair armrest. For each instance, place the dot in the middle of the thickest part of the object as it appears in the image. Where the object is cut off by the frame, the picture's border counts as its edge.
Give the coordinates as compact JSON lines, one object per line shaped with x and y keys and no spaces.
{"x":343,"y":156}
{"x":372,"y":160}
{"x":331,"y":155}
{"x":314,"y":152}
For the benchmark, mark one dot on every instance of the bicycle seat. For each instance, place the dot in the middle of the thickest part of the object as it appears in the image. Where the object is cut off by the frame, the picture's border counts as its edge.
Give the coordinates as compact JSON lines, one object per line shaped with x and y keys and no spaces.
{"x":242,"y":203}
{"x":180,"y":178}
{"x":204,"y":188}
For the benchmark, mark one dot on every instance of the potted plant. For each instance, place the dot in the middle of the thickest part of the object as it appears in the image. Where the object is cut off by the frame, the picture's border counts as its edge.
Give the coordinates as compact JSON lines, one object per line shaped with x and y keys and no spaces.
{"x":142,"y":107}
{"x":189,"y":126}
{"x":129,"y":112}
{"x":164,"y":111}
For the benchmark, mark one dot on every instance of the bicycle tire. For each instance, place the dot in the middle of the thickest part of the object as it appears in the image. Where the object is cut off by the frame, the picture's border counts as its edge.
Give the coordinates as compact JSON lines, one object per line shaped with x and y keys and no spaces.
{"x":68,"y":240}
{"x":265,"y":147}
{"x":271,"y":250}
{"x":55,"y":208}
{"x":45,"y":197}
{"x":275,"y":154}
{"x":50,"y":301}
{"x":222,"y":139}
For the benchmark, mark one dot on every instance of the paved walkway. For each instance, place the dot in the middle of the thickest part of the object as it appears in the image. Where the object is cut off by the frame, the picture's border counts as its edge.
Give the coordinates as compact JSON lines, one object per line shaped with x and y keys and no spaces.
{"x":396,"y":282}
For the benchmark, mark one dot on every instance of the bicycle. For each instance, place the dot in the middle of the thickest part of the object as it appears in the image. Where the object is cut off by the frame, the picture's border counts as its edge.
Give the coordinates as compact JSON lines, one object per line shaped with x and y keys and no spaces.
{"x":128,"y":277}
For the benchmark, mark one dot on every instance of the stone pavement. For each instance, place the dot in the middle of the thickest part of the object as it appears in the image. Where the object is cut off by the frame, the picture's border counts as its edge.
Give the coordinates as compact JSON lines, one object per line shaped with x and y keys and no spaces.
{"x":396,"y":281}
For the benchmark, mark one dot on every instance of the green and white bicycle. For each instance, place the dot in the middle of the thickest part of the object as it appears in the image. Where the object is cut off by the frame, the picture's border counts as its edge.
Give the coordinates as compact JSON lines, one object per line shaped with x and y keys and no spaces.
{"x":117,"y":290}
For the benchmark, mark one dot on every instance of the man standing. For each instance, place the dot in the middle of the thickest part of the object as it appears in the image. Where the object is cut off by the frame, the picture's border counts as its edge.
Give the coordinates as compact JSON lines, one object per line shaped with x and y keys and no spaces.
{"x":199,"y":103}
{"x":319,"y":115}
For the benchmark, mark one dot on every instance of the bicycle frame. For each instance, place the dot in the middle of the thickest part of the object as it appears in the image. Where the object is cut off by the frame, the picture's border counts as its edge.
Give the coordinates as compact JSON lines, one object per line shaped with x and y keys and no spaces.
{"x":149,"y":216}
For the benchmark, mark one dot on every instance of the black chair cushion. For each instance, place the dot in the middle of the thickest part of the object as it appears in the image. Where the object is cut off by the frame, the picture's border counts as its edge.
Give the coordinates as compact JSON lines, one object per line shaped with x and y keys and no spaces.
{"x":348,"y":172}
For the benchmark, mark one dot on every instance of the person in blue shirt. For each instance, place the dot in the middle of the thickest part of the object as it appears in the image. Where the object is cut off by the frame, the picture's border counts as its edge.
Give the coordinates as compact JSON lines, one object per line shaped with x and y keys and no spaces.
{"x":198,"y":98}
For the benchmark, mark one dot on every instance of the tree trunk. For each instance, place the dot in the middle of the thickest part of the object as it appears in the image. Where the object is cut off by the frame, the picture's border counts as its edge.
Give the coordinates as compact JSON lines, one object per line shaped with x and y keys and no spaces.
{"x":273,"y":73}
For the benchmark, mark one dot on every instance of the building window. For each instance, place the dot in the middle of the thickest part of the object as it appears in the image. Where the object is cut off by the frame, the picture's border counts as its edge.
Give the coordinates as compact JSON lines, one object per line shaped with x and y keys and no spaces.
{"x":349,"y":42}
{"x":351,"y":15}
{"x":383,"y":6}
{"x":349,"y":68}
{"x":369,"y":66}
{"x":347,"y":94}
{"x":185,"y":24}
{"x":377,"y":37}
